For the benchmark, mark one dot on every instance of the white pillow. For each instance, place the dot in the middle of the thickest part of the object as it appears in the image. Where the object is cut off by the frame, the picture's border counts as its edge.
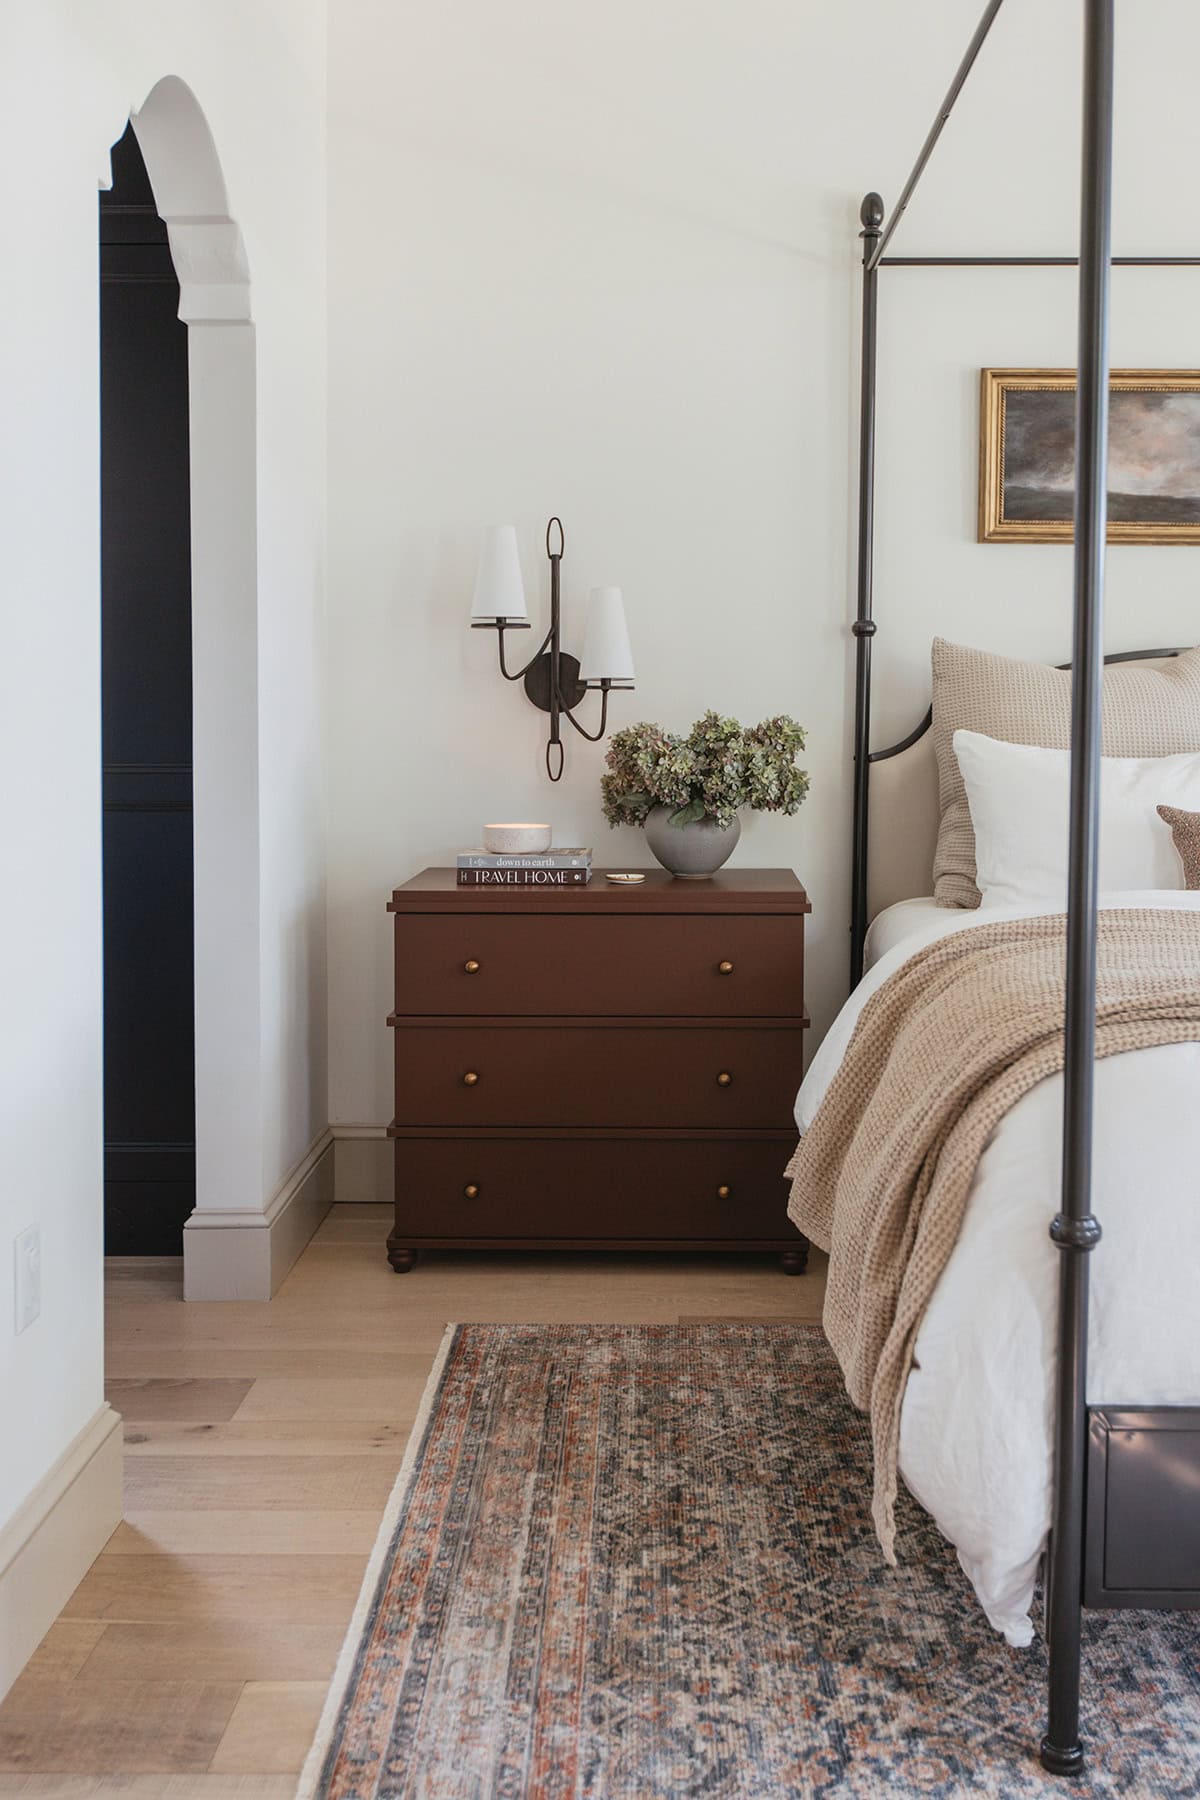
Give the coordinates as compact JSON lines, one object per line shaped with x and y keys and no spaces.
{"x":1020,"y":799}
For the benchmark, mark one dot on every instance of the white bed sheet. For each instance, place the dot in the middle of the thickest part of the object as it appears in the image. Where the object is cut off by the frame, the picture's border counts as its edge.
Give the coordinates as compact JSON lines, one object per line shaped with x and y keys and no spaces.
{"x":975,"y":1429}
{"x":899,"y":921}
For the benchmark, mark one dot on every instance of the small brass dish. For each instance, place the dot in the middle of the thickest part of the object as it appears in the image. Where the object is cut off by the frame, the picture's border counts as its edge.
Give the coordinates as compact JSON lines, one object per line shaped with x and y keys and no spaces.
{"x":625,"y":877}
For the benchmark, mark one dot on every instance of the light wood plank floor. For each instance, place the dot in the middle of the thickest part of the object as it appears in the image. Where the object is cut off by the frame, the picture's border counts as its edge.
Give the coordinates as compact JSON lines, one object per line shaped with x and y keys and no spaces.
{"x":261,"y":1444}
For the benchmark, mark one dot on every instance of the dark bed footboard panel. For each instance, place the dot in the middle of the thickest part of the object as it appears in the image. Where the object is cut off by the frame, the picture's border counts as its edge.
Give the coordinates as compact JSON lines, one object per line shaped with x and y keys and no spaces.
{"x":1143,"y":1507}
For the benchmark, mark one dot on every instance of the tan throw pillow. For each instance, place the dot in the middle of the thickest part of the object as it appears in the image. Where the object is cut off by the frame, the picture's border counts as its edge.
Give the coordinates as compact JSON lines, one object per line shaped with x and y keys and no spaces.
{"x":1185,"y":829}
{"x":1149,"y":709}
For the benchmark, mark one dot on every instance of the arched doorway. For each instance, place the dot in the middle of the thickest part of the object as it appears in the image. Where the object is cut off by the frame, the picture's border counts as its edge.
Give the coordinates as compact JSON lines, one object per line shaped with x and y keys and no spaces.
{"x":210,"y":265}
{"x":146,"y":724}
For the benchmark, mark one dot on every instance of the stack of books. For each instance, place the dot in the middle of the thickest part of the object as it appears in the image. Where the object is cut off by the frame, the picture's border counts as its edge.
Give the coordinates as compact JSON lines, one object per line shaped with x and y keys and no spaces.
{"x":553,"y":868}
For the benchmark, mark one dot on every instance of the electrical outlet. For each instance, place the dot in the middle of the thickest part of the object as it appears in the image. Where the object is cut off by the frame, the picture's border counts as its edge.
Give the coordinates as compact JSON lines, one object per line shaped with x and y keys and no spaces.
{"x":28,"y":1276}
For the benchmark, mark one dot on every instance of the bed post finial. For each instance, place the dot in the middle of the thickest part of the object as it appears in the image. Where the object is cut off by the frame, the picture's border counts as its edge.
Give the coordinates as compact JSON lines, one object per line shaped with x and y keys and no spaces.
{"x":871,"y":214}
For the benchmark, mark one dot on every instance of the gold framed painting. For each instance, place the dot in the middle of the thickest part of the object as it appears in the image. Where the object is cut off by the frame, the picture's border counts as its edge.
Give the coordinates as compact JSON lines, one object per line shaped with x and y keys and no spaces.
{"x":1027,"y":456}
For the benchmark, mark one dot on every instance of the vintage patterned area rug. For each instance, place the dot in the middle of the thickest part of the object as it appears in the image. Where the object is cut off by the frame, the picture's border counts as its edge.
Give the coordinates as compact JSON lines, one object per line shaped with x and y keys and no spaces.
{"x":626,"y":1562}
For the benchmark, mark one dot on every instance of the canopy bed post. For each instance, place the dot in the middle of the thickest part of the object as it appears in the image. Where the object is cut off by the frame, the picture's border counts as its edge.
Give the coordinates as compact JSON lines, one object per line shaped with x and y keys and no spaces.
{"x":1075,"y":1230}
{"x":871,"y":214}
{"x":875,"y":242}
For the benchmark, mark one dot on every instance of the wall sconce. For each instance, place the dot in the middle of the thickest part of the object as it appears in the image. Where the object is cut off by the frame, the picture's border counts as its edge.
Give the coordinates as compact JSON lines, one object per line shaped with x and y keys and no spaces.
{"x":554,"y":681}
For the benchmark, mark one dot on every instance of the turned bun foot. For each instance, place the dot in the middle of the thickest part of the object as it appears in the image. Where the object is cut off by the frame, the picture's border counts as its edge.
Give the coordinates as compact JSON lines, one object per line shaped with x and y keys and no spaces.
{"x":794,"y":1262}
{"x":401,"y":1260}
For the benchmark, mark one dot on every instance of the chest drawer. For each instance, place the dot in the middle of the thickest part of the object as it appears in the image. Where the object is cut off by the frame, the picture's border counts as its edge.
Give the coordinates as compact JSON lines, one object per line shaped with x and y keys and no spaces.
{"x":715,"y":966}
{"x":488,"y":1076}
{"x":482,"y":1189}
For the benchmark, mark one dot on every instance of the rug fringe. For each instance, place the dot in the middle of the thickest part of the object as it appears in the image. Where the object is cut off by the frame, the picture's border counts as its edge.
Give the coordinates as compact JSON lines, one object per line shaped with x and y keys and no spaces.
{"x":310,"y":1775}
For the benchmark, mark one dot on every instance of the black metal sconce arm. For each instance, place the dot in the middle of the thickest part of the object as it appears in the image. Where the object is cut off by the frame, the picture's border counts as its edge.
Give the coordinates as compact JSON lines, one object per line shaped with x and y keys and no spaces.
{"x":593,"y":737}
{"x":503,"y":625}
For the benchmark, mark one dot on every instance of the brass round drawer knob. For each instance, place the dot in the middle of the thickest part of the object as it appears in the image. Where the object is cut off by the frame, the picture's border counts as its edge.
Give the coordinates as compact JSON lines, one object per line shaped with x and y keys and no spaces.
{"x":724,"y":1079}
{"x":725,"y":968}
{"x":470,"y":1078}
{"x":723,"y":1192}
{"x":471,"y":1192}
{"x":471,"y":967}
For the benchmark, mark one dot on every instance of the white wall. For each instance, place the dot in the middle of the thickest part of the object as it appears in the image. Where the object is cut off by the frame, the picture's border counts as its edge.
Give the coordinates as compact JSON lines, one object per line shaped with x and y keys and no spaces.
{"x":70,"y":72}
{"x":602,"y":261}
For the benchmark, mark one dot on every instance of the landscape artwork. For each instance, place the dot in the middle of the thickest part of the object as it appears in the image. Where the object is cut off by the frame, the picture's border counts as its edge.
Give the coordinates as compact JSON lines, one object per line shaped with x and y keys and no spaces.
{"x":1027,"y":456}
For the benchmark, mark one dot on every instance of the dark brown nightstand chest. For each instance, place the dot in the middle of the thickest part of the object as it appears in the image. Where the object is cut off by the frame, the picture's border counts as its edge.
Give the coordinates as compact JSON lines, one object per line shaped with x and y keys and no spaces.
{"x":597,"y":1068}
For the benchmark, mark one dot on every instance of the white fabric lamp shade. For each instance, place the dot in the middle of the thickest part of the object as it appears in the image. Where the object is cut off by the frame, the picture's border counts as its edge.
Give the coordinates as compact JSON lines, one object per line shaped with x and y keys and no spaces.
{"x":606,"y":652}
{"x":499,"y":589}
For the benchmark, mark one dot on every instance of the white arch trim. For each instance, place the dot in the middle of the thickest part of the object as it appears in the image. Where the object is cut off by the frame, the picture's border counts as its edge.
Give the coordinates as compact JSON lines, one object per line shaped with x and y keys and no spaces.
{"x":190,"y":194}
{"x":239,"y":1241}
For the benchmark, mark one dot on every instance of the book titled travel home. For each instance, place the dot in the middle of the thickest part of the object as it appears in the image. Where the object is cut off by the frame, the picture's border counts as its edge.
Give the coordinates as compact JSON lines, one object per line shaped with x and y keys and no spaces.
{"x":548,"y":859}
{"x":524,"y":877}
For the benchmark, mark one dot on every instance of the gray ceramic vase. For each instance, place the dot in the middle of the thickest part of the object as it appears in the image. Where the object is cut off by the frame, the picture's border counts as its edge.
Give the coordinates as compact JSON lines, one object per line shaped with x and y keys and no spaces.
{"x":694,"y":851}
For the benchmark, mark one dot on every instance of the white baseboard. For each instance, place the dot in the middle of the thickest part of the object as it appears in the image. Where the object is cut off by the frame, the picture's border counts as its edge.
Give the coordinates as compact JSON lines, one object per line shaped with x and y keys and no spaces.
{"x":362,"y":1163}
{"x":50,"y":1544}
{"x":244,"y":1255}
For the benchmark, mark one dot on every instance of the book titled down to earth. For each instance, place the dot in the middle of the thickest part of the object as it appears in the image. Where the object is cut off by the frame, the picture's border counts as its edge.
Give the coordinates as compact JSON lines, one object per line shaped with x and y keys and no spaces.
{"x":553,"y":868}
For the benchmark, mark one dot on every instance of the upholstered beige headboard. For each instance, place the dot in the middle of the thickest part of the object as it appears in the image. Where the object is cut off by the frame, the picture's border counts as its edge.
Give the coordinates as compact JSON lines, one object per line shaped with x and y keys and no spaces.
{"x":903,"y":825}
{"x":903,"y":817}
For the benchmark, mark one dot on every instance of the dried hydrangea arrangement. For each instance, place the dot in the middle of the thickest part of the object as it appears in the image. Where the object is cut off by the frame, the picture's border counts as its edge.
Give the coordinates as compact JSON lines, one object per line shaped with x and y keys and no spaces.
{"x":719,"y":767}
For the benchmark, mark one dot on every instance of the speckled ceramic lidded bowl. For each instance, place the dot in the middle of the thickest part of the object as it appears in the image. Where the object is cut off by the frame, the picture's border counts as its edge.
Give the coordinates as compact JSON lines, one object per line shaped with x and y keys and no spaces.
{"x":517,"y":840}
{"x":694,"y":851}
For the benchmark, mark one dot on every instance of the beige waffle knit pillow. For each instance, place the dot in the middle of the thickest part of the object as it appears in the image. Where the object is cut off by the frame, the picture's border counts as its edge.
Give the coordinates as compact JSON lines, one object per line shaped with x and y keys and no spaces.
{"x":1148,"y":710}
{"x":1185,"y":830}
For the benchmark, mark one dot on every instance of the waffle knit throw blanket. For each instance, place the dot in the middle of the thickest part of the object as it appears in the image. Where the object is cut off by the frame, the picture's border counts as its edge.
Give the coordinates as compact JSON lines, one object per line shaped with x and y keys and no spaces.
{"x":940,"y":1053}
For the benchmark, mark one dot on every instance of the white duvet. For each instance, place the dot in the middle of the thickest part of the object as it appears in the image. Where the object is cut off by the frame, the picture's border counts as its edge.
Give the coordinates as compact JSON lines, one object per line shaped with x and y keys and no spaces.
{"x":975,"y":1430}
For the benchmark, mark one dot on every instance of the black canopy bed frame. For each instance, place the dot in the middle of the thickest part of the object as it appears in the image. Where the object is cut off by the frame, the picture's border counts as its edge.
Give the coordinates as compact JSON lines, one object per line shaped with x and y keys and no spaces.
{"x":1125,"y":1479}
